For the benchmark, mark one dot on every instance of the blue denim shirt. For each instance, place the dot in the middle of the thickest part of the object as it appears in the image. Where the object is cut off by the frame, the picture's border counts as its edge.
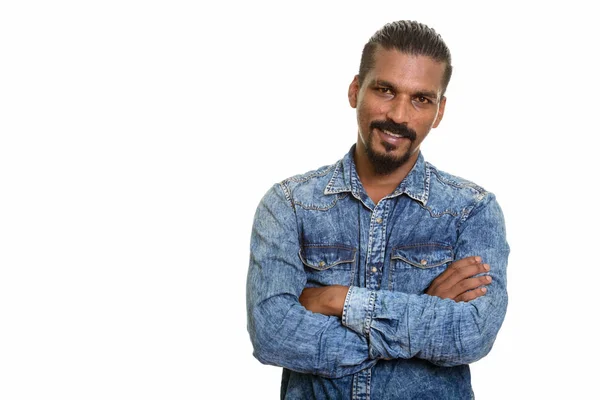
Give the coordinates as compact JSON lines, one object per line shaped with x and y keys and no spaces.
{"x":393,"y":341}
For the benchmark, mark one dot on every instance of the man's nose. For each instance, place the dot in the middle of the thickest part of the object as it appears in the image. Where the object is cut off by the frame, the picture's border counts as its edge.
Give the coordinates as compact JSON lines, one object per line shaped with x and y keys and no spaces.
{"x":399,"y":111}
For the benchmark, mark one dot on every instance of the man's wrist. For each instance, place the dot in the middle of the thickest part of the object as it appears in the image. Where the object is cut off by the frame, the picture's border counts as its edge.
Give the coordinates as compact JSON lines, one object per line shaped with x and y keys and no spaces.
{"x":336,"y":299}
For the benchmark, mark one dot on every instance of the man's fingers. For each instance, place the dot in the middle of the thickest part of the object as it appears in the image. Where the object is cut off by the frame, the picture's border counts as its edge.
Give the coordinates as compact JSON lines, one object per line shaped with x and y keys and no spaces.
{"x":471,"y":295}
{"x":461,"y":287}
{"x":460,"y":281}
{"x":470,"y":284}
{"x":457,"y":272}
{"x":461,"y":275}
{"x":455,"y":266}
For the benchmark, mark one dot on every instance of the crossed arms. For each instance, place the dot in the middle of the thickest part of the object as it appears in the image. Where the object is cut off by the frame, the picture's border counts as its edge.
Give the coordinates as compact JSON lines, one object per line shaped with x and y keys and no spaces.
{"x":458,"y":282}
{"x":336,"y":330}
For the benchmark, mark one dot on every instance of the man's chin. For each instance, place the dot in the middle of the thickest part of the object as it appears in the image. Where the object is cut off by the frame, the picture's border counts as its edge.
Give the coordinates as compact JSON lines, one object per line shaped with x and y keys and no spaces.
{"x":386,"y":163}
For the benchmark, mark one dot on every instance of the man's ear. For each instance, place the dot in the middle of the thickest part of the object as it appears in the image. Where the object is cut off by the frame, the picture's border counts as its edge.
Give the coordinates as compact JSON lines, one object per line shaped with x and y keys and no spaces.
{"x":353,"y":92}
{"x":440,"y":114}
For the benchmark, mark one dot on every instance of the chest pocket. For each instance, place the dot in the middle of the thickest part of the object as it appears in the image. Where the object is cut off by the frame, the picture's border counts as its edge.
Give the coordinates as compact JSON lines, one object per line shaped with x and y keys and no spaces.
{"x":414,"y":266}
{"x":328,"y":264}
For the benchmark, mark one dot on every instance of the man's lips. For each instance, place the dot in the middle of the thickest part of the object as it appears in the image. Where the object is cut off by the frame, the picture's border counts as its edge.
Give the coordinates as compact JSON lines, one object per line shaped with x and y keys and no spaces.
{"x":397,"y":135}
{"x":390,"y":137}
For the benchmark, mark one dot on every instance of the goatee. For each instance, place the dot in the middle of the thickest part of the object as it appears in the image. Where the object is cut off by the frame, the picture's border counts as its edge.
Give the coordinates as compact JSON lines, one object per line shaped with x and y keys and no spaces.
{"x":385,"y":164}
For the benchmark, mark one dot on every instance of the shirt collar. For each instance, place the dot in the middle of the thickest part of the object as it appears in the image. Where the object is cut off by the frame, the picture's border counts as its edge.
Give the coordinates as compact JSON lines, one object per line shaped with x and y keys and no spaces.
{"x":345,"y":179}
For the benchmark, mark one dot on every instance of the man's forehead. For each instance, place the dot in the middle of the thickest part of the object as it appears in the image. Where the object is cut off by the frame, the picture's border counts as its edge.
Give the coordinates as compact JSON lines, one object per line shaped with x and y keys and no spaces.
{"x":392,"y":57}
{"x":393,"y":65}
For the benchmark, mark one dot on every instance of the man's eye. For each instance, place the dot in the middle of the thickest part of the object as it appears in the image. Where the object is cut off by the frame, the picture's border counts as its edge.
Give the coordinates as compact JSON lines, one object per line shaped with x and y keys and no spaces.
{"x":422,"y":99}
{"x":385,"y":90}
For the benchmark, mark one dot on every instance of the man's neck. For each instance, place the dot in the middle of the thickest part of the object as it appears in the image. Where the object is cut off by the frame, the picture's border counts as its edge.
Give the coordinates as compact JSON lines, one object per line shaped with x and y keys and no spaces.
{"x":377,"y":185}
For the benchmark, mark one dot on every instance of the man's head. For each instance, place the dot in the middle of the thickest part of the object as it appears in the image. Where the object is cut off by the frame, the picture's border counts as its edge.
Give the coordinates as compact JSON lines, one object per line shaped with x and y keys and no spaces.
{"x":399,"y":93}
{"x":409,"y":37}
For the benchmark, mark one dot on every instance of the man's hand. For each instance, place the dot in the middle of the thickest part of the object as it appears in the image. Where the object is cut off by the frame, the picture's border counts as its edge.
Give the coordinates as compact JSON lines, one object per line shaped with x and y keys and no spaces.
{"x":327,"y":300}
{"x":458,"y":282}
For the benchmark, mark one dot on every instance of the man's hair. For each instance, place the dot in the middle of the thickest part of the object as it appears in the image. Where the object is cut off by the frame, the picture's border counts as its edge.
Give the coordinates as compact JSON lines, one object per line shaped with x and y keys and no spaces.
{"x":409,"y":37}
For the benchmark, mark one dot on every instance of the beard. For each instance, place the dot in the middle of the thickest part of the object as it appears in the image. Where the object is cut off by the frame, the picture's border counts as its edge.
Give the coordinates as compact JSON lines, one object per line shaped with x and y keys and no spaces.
{"x":386,"y":163}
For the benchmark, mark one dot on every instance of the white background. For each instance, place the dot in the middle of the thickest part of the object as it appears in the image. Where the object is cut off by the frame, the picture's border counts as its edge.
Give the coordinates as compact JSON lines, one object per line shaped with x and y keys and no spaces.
{"x":136,"y":139}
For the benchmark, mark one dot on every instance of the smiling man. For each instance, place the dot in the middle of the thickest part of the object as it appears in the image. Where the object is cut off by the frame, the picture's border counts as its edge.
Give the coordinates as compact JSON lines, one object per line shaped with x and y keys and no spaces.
{"x":380,"y":276}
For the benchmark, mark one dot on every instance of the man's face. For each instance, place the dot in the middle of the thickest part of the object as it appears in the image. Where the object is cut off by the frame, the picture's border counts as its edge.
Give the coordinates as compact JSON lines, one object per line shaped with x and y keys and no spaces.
{"x":398,"y":103}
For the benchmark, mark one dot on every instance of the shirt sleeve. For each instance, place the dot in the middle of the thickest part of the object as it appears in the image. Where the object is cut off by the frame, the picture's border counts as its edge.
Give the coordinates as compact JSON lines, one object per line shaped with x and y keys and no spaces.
{"x":447,"y":333}
{"x":282,"y":331}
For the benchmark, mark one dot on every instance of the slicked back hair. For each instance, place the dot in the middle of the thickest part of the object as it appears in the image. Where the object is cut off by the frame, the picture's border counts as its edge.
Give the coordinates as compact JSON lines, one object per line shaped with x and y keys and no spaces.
{"x":409,"y":37}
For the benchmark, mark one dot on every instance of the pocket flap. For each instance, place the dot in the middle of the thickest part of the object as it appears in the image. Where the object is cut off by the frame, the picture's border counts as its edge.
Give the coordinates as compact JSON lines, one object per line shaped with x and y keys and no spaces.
{"x":424,"y":255}
{"x":322,"y":257}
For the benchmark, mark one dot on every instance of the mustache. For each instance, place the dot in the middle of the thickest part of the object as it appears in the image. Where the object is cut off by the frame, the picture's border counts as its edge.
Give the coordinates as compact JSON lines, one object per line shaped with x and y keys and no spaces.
{"x":398,"y":129}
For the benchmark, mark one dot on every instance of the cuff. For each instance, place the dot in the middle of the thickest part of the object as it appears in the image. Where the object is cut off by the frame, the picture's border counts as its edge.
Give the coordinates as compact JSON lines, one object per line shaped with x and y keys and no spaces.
{"x":358,"y":310}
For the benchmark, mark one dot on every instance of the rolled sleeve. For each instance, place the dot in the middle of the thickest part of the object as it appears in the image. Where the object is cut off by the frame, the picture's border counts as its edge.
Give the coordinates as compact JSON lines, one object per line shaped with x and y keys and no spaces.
{"x":358,"y":310}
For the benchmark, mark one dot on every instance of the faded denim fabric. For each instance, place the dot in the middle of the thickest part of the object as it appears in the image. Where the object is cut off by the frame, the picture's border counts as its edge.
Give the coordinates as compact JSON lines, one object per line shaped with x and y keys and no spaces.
{"x":393,"y":341}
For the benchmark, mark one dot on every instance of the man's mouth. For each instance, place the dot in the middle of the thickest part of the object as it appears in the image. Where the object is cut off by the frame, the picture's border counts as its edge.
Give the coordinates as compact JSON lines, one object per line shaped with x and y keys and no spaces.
{"x":393,"y":131}
{"x":396,"y":135}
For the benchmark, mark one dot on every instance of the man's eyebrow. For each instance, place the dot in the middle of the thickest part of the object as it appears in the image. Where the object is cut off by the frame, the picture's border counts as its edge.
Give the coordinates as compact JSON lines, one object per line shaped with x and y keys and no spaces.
{"x":425,"y":93}
{"x":380,"y":82}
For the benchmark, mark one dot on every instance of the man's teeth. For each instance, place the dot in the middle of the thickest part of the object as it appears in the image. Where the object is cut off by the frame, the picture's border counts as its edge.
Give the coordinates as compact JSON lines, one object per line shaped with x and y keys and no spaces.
{"x":393,"y":134}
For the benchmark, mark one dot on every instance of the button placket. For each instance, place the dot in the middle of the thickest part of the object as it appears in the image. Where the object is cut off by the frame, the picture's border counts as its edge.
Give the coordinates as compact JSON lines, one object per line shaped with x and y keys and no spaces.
{"x":377,"y":247}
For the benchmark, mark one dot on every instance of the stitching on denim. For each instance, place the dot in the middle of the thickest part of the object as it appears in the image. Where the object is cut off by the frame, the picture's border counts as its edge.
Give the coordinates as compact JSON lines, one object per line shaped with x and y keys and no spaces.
{"x":420,"y":197}
{"x":428,"y":266}
{"x":368,"y":394}
{"x":438,"y":215}
{"x":434,"y":299}
{"x":391,"y":279}
{"x":465,"y":214}
{"x":384,"y":229}
{"x":322,"y":207}
{"x":309,"y":175}
{"x":335,"y":246}
{"x":345,"y":310}
{"x":308,"y":264}
{"x":427,"y":181}
{"x":429,"y":244}
{"x":468,"y":210}
{"x":323,"y":268}
{"x":329,"y":187}
{"x":417,"y":245}
{"x":369,"y":317}
{"x":287,"y":194}
{"x":463,"y":183}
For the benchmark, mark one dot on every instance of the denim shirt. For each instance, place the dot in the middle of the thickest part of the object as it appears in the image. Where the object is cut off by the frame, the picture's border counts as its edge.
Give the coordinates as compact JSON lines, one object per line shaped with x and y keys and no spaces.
{"x":392,"y":341}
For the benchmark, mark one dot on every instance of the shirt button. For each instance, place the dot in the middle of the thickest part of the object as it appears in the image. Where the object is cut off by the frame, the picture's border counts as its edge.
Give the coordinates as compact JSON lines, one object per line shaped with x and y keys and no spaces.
{"x":423,"y":262}
{"x":379,"y":220}
{"x":374,"y":269}
{"x":321,"y":263}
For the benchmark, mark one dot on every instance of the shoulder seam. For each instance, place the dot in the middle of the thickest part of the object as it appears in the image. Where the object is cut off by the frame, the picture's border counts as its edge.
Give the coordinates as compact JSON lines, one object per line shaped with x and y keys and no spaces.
{"x":467,"y":211}
{"x":310,"y":175}
{"x":466,"y":184}
{"x":287,"y":194}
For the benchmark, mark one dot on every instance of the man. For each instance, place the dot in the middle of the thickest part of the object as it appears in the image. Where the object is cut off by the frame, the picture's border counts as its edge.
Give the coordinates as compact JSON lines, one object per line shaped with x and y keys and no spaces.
{"x":380,"y":276}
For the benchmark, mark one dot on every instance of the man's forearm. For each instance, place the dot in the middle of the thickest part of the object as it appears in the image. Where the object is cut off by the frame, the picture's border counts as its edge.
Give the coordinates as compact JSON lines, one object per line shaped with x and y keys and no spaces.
{"x":400,"y":325}
{"x":328,"y":300}
{"x":458,"y":282}
{"x":283,"y":332}
{"x":405,"y":332}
